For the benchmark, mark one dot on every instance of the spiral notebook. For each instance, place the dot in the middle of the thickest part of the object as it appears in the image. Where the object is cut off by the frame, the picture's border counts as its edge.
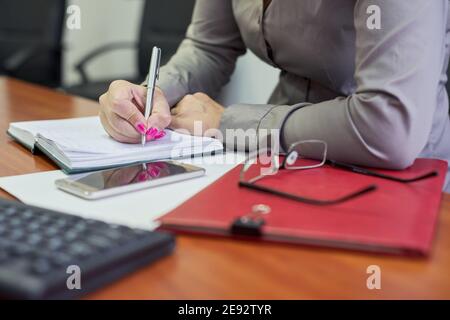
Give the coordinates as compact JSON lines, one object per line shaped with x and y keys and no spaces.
{"x":81,"y":144}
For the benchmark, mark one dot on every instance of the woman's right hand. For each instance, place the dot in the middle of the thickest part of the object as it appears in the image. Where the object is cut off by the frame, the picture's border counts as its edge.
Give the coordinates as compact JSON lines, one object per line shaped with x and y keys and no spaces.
{"x":122,"y":108}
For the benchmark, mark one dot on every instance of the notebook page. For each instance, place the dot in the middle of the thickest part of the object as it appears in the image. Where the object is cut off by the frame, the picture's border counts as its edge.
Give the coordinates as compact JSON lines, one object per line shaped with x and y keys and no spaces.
{"x":86,"y":135}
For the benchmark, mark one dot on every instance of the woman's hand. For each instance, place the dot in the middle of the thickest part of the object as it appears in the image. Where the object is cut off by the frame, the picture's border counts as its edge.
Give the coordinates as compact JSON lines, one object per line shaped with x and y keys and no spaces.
{"x":122,"y":108}
{"x":198,"y":114}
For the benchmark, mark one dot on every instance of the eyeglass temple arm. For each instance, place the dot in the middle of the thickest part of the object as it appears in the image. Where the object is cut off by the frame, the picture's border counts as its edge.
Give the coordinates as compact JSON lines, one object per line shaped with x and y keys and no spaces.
{"x":367,"y":172}
{"x":308,"y":200}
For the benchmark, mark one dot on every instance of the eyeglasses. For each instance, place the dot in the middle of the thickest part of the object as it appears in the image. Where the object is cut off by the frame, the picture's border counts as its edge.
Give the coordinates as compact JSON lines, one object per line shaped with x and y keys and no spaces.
{"x":305,"y":155}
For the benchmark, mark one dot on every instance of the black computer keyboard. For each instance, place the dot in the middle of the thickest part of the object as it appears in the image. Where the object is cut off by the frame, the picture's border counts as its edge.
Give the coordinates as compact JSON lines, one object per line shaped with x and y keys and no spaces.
{"x":49,"y":255}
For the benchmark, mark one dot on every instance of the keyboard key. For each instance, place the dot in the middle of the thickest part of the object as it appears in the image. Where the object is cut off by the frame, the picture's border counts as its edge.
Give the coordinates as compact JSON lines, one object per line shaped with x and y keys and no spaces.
{"x":10,"y":211}
{"x":16,"y":235}
{"x":43,"y":219}
{"x":54,"y":244}
{"x":51,"y":231}
{"x":27,"y":214}
{"x":114,"y":235}
{"x":70,"y":236}
{"x":61,"y":259}
{"x":61,"y":223}
{"x":34,"y":226}
{"x":80,"y":226}
{"x":15,"y":222}
{"x":99,"y":242}
{"x":34,"y":239}
{"x":80,"y":249}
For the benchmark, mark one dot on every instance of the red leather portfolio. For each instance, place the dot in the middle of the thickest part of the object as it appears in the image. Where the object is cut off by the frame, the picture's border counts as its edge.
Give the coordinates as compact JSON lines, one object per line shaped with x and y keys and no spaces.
{"x":395,"y":218}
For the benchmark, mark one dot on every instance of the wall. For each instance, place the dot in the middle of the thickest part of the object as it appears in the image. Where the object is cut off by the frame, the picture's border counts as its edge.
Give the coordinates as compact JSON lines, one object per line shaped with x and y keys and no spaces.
{"x":106,"y":21}
{"x":102,"y":22}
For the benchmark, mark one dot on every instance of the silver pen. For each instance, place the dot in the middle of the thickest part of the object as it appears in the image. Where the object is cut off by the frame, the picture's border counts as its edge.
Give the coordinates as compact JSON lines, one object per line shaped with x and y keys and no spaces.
{"x":153,"y":74}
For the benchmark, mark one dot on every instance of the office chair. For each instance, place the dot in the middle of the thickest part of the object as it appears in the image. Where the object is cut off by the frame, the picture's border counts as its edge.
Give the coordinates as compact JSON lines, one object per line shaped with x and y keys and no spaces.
{"x":164,"y":24}
{"x":31,"y":40}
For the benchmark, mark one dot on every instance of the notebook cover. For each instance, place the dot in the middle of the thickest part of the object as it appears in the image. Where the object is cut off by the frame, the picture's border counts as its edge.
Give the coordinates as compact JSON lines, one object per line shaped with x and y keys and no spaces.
{"x":23,"y":144}
{"x":396,"y":218}
{"x":69,"y":170}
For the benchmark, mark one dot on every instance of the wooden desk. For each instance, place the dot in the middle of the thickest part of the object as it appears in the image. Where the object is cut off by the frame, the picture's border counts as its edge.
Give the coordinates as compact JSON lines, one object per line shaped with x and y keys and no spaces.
{"x":225,"y":269}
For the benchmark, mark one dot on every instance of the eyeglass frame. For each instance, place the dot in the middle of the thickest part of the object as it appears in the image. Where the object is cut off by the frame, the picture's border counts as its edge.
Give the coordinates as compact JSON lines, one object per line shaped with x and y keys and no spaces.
{"x":359,"y":170}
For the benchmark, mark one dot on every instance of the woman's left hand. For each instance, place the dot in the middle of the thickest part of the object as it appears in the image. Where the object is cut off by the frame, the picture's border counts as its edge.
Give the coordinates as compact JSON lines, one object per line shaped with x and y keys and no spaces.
{"x":198,"y":114}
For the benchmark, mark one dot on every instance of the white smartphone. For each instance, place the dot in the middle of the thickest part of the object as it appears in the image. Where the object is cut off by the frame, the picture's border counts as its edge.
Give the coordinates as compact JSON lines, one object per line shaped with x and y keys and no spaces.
{"x":106,"y":183}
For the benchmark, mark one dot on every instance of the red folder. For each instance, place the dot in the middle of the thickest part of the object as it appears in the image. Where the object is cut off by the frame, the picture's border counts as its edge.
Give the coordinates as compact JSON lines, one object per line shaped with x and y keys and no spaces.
{"x":395,"y":218}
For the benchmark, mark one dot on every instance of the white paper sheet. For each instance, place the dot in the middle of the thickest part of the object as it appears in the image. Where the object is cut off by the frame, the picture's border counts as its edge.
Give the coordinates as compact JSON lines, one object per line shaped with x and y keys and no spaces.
{"x":137,"y":209}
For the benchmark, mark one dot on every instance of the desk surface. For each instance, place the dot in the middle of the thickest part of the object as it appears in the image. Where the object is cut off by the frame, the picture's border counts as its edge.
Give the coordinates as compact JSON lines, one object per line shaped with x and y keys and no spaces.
{"x":207,"y":268}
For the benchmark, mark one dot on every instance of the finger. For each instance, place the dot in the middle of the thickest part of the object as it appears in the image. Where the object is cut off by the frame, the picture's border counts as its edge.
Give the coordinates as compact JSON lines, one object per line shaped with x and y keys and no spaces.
{"x":130,"y":113}
{"x":109,"y":124}
{"x":121,"y":138}
{"x":122,"y":126}
{"x":115,"y":134}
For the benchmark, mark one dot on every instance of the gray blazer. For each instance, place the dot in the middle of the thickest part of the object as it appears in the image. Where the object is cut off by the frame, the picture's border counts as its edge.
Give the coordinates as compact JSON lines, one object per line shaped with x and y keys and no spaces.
{"x":376,"y":96}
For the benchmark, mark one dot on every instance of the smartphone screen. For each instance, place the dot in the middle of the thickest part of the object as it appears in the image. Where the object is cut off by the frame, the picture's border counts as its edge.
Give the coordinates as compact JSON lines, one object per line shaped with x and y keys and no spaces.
{"x":128,"y":178}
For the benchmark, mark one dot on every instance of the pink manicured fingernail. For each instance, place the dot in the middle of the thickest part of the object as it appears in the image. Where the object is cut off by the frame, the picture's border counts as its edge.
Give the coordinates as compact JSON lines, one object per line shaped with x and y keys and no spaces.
{"x":152,"y":131}
{"x":141,"y":128}
{"x":149,"y":137}
{"x":160,"y":135}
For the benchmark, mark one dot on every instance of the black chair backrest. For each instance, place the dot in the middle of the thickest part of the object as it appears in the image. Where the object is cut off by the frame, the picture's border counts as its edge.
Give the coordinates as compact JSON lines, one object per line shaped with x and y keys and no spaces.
{"x":164,"y":24}
{"x":32,"y":28}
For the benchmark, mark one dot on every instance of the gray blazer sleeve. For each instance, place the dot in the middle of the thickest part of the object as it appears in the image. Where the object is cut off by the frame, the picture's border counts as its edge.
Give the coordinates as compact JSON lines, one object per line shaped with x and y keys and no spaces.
{"x":206,"y":59}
